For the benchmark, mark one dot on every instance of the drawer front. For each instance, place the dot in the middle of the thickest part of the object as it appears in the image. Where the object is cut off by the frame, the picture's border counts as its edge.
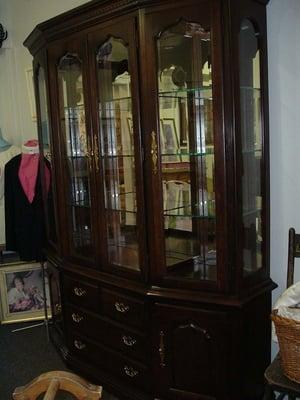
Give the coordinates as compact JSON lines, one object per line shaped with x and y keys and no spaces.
{"x":117,"y":337}
{"x":81,"y":293}
{"x":123,"y":308}
{"x":128,"y":370}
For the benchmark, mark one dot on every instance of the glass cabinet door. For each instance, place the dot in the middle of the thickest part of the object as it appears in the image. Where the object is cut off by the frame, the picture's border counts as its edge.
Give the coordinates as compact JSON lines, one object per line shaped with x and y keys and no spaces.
{"x":187,"y":150}
{"x":252,"y":147}
{"x":118,"y":155}
{"x":44,"y":138}
{"x":77,"y":155}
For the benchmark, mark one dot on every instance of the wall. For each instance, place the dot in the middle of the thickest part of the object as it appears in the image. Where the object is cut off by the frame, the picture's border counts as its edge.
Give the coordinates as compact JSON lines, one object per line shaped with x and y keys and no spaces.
{"x":20,"y":17}
{"x":284,"y":98}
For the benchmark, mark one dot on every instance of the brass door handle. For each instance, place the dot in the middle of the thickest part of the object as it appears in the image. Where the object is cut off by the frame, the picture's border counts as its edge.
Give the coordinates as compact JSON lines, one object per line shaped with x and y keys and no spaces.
{"x":96,"y":153}
{"x":161,"y":349}
{"x":58,"y":308}
{"x":154,"y":155}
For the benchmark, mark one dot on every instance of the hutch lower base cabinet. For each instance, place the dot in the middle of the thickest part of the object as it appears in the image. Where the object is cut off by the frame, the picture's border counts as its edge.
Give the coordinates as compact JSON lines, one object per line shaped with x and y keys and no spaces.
{"x":153,"y":116}
{"x":150,"y":344}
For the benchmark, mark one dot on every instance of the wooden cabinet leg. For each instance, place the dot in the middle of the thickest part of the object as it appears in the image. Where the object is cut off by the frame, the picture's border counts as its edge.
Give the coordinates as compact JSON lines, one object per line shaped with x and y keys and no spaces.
{"x":269,"y":394}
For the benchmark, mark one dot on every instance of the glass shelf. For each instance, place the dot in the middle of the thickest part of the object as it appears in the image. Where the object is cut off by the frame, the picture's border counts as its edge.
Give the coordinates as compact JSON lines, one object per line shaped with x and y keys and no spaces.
{"x":183,"y":152}
{"x":187,"y":208}
{"x":253,"y":151}
{"x":187,"y":90}
{"x":199,"y":217}
{"x":79,"y":204}
{"x":248,"y":213}
{"x":74,"y":108}
{"x":117,"y":210}
{"x":251,"y":89}
{"x":75,"y":157}
{"x":115,"y":156}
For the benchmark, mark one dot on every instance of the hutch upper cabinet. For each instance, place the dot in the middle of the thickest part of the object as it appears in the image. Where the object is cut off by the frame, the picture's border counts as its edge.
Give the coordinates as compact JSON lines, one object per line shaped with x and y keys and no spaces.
{"x":153,"y":115}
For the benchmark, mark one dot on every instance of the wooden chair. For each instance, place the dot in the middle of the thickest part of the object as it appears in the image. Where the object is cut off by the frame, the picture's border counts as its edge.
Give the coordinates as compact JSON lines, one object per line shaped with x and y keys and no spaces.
{"x":276,"y":381}
{"x":50,"y":382}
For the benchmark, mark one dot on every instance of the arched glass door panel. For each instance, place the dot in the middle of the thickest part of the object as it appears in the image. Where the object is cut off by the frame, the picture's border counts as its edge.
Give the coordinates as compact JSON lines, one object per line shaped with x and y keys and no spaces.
{"x":252,"y":146}
{"x":118,"y":153}
{"x":45,"y":139}
{"x":72,"y":122}
{"x":187,"y":150}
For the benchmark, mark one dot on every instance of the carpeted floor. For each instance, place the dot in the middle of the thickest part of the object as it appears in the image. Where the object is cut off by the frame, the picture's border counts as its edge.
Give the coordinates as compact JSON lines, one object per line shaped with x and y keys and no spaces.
{"x":26,"y":354}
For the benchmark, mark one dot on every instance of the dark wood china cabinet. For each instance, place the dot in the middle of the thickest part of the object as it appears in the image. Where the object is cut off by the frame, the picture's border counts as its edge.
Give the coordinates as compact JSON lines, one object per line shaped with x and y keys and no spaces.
{"x":153,"y":115}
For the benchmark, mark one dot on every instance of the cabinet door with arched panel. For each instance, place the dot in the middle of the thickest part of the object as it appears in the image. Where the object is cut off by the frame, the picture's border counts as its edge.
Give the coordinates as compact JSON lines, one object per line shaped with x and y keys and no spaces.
{"x":191,"y":348}
{"x":47,"y":169}
{"x":252,"y":145}
{"x":184,"y":135}
{"x":71,"y":132}
{"x":113,"y":55}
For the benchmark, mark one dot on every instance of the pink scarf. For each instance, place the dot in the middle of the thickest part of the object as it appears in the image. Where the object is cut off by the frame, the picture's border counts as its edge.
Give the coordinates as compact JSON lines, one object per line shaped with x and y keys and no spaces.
{"x":28,"y":172}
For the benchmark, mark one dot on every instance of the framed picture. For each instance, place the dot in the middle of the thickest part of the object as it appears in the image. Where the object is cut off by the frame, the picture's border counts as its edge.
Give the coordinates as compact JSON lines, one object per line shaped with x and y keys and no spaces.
{"x":21,"y":291}
{"x":170,"y":148}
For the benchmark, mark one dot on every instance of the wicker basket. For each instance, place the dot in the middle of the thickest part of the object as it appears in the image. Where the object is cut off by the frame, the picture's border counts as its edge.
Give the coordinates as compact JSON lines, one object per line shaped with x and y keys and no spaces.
{"x":288,"y":334}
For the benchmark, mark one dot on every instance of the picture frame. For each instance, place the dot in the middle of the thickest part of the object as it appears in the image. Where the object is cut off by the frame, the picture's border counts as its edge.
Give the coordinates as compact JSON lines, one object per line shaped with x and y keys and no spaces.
{"x":21,"y":293}
{"x":169,"y":143}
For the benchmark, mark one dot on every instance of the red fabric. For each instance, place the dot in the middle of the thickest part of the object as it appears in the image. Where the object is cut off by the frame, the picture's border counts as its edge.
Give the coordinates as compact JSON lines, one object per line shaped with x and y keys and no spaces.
{"x":31,"y":143}
{"x":28,"y":172}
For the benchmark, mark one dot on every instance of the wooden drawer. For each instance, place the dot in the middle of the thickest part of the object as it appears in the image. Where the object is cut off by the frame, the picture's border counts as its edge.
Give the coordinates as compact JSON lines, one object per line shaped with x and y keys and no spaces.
{"x":110,"y":361}
{"x":128,"y":310}
{"x":82,"y":293}
{"x":116,"y":336}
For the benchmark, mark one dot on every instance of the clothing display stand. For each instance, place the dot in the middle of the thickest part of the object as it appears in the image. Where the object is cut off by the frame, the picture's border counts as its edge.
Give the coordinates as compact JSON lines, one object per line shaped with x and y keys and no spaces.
{"x":46,"y":319}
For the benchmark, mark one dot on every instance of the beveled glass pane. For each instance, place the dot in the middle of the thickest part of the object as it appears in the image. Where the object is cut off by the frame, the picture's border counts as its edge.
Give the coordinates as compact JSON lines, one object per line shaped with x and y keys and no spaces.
{"x":117,"y":153}
{"x":187,"y":150}
{"x":45,"y":137}
{"x":251,"y":135}
{"x":72,"y":117}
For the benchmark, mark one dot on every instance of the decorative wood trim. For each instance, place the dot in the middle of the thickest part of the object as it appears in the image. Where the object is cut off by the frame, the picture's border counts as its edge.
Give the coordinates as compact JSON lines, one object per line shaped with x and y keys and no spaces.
{"x":264,"y":2}
{"x":79,"y":18}
{"x":83,"y":17}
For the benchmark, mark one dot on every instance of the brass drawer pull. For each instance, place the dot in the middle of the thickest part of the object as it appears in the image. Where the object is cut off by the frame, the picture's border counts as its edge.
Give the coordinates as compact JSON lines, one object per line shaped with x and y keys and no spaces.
{"x":57,"y":308}
{"x":79,"y":291}
{"x":121,"y":307}
{"x":130,"y":371}
{"x":154,"y":154}
{"x":79,"y":345}
{"x":77,"y":318}
{"x":128,"y":340}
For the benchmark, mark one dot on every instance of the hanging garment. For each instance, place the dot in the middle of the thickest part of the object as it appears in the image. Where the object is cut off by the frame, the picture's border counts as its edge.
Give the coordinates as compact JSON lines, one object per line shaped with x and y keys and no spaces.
{"x":24,"y":219}
{"x":5,"y":155}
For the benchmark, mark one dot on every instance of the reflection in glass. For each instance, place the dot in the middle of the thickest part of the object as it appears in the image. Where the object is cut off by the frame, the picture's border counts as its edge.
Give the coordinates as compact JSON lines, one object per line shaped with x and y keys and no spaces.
{"x":117,"y":152}
{"x":72,"y":117}
{"x":45,"y":137}
{"x":251,"y":135}
{"x":187,"y":150}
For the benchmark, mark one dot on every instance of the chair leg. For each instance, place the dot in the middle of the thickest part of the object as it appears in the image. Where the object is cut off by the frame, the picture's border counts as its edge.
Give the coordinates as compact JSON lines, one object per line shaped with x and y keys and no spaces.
{"x":51,"y":382}
{"x":269,"y":394}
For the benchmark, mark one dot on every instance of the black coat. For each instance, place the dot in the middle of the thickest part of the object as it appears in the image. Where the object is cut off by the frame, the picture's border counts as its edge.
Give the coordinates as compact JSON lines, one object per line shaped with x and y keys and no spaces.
{"x":24,"y":221}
